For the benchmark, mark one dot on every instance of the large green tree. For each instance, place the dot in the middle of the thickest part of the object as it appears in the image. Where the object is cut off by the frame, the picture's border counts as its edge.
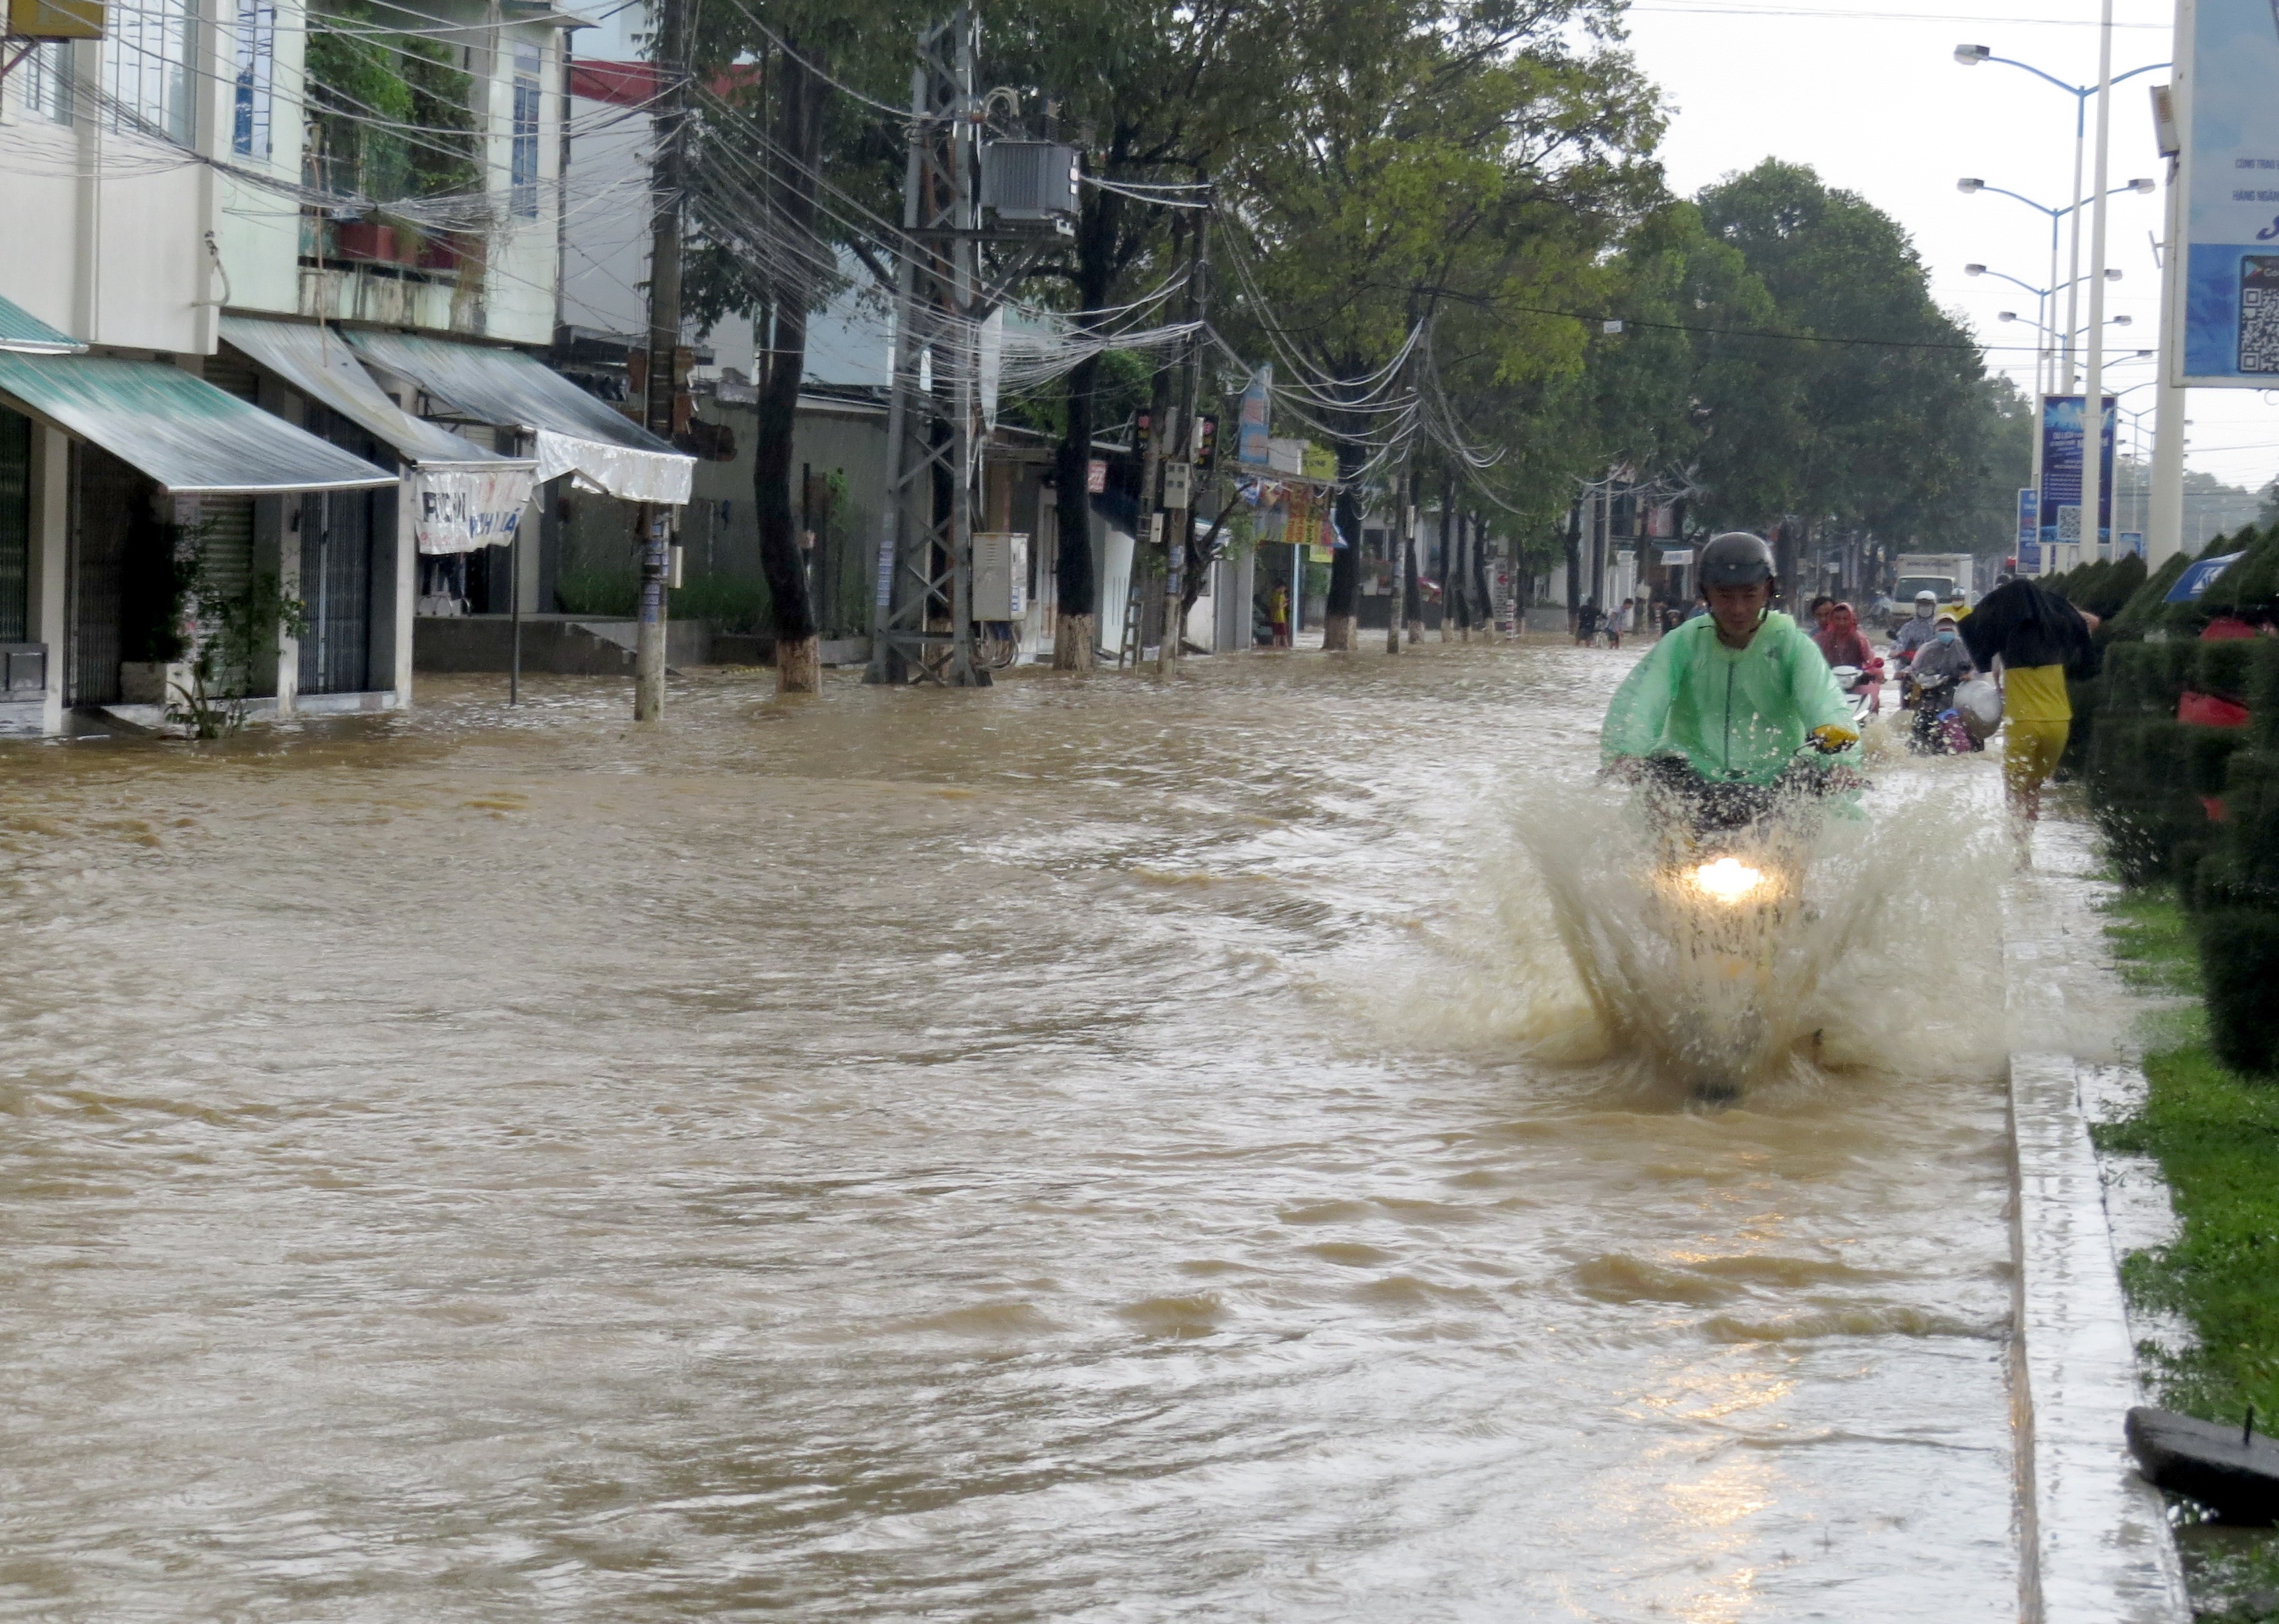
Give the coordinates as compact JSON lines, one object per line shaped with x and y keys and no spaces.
{"x":1889,"y":406}
{"x":1463,"y":161}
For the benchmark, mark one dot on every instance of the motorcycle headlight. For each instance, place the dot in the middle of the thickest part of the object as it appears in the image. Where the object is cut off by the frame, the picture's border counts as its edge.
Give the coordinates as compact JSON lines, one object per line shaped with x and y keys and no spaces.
{"x":1729,"y":880}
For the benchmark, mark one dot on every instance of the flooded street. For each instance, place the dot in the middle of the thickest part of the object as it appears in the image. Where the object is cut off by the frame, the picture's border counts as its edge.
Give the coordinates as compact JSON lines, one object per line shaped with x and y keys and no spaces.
{"x":1083,"y":1150}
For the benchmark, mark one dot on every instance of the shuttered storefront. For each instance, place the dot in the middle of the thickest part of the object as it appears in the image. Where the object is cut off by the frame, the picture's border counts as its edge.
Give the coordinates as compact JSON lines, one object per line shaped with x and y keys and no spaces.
{"x":105,"y":495}
{"x":336,"y":567}
{"x":15,"y":528}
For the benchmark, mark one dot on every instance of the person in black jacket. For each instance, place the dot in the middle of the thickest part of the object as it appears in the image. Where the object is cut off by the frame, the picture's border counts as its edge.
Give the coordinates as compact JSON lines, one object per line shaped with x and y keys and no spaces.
{"x":2040,"y":639}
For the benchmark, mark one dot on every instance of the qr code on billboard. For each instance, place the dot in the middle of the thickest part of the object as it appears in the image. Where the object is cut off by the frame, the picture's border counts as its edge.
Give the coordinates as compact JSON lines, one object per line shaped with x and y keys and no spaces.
{"x":2069,"y":522}
{"x":2258,"y":313}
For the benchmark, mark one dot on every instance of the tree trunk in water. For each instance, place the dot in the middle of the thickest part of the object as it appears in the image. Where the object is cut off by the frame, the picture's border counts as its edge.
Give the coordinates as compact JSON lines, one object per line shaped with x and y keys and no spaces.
{"x":1573,"y":566}
{"x":1073,"y":634}
{"x":1412,"y":595}
{"x":1787,"y":540}
{"x":800,"y":134}
{"x":1451,"y":582}
{"x":1345,"y":567}
{"x":1486,"y":596}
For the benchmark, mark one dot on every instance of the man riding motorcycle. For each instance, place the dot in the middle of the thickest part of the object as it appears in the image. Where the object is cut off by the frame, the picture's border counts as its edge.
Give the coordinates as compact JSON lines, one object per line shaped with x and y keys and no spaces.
{"x":1917,"y":629}
{"x":1737,"y":694}
{"x":1733,"y":724}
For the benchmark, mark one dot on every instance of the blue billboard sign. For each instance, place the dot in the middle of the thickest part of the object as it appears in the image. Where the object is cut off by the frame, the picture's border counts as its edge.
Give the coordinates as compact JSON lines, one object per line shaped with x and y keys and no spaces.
{"x":2229,"y":121}
{"x":2061,"y":468}
{"x":2029,"y":520}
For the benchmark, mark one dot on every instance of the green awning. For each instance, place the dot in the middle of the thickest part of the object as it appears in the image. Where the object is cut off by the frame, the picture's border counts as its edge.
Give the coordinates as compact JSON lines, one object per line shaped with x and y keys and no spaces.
{"x":23,"y":334}
{"x":193,"y":438}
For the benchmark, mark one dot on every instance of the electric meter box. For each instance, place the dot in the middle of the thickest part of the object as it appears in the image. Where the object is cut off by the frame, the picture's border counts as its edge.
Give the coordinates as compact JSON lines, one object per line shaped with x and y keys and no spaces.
{"x":1025,"y":180}
{"x":55,"y":20}
{"x":1001,"y":575}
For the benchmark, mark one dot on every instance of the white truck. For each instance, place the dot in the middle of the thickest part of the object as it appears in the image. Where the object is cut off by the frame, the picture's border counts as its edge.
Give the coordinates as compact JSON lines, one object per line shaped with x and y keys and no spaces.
{"x":1942,"y":572}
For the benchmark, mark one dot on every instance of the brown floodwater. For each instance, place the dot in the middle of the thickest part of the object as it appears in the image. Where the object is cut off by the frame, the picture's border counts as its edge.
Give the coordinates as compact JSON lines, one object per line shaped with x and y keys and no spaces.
{"x":1084,"y":1149}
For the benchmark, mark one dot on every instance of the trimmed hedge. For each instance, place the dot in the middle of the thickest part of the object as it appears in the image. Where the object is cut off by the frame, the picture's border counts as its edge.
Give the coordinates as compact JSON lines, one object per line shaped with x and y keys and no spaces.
{"x":2239,"y":966}
{"x":2152,"y":778}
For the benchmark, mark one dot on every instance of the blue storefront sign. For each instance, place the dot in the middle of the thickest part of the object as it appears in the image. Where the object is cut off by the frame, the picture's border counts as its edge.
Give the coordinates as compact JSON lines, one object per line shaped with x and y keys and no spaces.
{"x":2127,"y":542}
{"x":2229,"y":122}
{"x":2060,"y":494}
{"x":2029,"y":522}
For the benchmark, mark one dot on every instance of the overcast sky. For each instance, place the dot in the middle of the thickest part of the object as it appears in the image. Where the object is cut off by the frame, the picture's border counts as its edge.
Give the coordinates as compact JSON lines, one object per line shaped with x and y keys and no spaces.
{"x":1870,"y":96}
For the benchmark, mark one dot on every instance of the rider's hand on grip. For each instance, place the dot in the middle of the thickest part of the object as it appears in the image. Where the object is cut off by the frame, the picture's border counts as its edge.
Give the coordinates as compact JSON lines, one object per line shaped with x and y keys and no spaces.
{"x":1830,"y":740}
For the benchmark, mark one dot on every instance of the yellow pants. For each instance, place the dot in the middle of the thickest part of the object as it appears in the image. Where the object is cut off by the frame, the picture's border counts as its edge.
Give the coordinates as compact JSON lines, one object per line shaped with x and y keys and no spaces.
{"x":2030,"y":752}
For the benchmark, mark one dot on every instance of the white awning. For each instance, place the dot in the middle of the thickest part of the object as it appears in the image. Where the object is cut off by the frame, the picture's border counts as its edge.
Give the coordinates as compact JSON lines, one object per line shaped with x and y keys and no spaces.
{"x":193,"y":438}
{"x":27,"y":335}
{"x":318,"y":363}
{"x":575,"y":434}
{"x":461,"y":496}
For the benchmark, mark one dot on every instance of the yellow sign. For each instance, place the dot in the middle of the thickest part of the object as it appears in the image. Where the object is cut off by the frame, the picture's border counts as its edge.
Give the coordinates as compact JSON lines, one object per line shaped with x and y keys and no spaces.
{"x":1323,"y":554}
{"x":55,"y":20}
{"x":1318,"y":463}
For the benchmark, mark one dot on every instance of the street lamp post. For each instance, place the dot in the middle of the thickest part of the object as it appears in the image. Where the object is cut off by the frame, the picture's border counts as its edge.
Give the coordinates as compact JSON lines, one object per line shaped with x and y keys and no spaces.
{"x":1971,"y":55}
{"x":1970,"y":184}
{"x":2100,"y":274}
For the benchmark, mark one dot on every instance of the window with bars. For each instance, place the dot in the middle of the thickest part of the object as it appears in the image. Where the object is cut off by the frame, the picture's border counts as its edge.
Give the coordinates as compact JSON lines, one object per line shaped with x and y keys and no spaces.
{"x":257,"y":56}
{"x":146,"y":68}
{"x":524,"y":158}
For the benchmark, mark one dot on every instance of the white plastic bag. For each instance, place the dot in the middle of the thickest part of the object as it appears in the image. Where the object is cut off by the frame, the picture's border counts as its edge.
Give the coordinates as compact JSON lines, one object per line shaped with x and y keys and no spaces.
{"x":1980,"y":701}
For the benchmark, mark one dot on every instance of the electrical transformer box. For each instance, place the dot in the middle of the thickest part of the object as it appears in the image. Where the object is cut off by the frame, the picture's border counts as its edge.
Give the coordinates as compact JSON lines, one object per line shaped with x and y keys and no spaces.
{"x":1001,"y":575}
{"x":1029,"y":180}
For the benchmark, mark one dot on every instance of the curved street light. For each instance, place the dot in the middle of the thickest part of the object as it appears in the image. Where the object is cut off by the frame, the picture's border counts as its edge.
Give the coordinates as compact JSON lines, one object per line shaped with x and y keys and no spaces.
{"x":1971,"y":55}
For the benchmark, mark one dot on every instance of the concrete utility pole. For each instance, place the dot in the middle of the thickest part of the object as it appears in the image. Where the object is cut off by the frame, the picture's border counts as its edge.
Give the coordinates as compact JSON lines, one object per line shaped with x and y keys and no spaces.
{"x":1179,"y":523}
{"x":1396,"y":549}
{"x":2092,"y":405}
{"x":666,"y":202}
{"x":2164,"y":518}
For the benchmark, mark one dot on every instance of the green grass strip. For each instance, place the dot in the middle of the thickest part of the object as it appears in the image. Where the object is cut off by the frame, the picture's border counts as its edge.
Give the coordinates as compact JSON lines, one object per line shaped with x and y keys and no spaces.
{"x":2215,"y":1136}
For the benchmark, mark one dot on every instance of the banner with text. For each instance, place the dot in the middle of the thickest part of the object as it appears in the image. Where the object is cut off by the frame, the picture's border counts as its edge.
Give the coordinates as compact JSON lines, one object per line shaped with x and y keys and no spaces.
{"x":2228,"y":125}
{"x":2061,"y":468}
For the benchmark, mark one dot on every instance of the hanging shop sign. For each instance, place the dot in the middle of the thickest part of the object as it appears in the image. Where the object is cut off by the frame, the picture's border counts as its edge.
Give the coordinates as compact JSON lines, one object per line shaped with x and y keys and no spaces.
{"x":2062,"y":469}
{"x":2229,"y":168}
{"x":1257,"y":427}
{"x":457,"y":509}
{"x":1318,"y":463}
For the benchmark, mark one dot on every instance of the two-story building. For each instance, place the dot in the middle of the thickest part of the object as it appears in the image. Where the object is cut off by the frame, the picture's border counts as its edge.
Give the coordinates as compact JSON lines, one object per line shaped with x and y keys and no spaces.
{"x":278,"y":280}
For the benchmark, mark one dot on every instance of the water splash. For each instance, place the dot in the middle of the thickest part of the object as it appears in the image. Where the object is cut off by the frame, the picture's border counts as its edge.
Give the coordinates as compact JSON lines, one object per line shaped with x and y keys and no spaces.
{"x":1888,"y":960}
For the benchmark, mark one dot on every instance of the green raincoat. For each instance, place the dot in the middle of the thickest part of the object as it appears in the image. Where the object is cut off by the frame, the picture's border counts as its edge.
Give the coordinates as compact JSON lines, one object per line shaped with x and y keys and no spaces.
{"x":1736,"y":714}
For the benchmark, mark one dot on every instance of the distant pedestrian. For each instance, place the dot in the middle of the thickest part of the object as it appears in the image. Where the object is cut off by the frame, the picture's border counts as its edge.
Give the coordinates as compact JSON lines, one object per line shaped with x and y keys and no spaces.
{"x":1586,"y":622}
{"x":1277,"y":619}
{"x":2040,"y":640}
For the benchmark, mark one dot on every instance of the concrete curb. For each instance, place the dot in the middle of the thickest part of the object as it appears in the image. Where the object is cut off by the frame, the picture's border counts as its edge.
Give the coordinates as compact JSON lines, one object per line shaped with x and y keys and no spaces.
{"x":2094,"y":1542}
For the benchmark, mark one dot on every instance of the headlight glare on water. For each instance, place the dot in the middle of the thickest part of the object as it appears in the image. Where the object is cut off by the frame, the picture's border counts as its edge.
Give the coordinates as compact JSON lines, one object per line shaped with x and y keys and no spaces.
{"x":1729,"y":880}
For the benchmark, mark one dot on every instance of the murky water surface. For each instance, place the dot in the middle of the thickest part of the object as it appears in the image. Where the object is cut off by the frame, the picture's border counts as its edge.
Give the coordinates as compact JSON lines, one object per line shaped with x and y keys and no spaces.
{"x":1079,"y":1150}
